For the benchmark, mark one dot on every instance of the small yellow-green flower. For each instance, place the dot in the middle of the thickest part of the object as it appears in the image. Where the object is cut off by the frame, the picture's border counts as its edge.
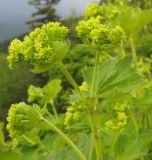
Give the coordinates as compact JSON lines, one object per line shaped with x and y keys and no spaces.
{"x":46,"y":44}
{"x":93,"y":32}
{"x":119,"y":122}
{"x":74,"y":113}
{"x":93,"y":10}
{"x":15,"y":51}
{"x":84,"y":86}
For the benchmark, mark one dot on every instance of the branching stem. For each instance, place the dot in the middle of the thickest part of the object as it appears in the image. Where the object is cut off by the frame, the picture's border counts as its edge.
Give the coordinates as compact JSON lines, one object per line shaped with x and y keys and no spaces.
{"x":122,"y":48}
{"x":95,"y":75}
{"x":92,"y":112}
{"x":67,"y":139}
{"x":134,"y":54}
{"x":54,"y":110}
{"x":69,"y":77}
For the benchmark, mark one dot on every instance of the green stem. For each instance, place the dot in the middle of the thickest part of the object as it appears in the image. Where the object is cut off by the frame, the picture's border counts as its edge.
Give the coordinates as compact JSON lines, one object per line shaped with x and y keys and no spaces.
{"x":27,"y":139}
{"x":91,"y":150}
{"x":69,"y":77}
{"x":122,"y":48}
{"x":145,"y":118}
{"x":54,"y":110}
{"x":67,"y":139}
{"x":147,"y":121}
{"x":112,"y":145}
{"x":95,"y":74}
{"x":134,"y":54}
{"x":133,"y":119}
{"x":96,"y":139}
{"x":92,"y":112}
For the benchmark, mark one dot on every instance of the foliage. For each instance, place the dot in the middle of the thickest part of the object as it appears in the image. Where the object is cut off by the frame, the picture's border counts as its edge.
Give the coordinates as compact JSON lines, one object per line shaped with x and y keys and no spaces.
{"x":109,"y":115}
{"x":44,"y":40}
{"x":14,"y":84}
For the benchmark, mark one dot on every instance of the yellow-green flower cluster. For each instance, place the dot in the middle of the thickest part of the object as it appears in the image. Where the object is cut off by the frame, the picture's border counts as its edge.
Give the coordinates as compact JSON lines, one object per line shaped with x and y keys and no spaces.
{"x":97,"y":34}
{"x":45,"y":44}
{"x":15,"y":51}
{"x":118,"y":123}
{"x":144,"y":65}
{"x":22,"y":118}
{"x":84,"y":87}
{"x":93,"y":10}
{"x":74,"y":113}
{"x":85,"y":27}
{"x":17,"y":116}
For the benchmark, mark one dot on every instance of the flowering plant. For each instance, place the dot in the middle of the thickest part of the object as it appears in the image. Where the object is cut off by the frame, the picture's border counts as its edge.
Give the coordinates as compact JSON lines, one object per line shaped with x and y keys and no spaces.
{"x":101,"y":121}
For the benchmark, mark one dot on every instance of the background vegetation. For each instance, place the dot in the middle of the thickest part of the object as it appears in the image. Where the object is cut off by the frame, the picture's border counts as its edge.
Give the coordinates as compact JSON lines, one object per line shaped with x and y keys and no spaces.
{"x":14,"y":84}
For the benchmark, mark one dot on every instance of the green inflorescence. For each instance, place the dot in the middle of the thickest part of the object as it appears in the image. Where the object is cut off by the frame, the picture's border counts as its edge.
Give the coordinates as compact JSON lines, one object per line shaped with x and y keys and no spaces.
{"x":85,"y":27}
{"x":45,"y":44}
{"x":118,"y":123}
{"x":93,"y":10}
{"x":17,"y":117}
{"x":98,"y":34}
{"x":22,"y":118}
{"x":74,"y":113}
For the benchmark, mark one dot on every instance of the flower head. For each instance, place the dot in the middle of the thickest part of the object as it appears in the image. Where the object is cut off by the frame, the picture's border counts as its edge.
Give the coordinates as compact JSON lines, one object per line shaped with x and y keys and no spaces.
{"x":22,"y":118}
{"x":97,"y":34}
{"x":74,"y":113}
{"x":85,"y":27}
{"x":120,"y":121}
{"x":45,"y":44}
{"x":15,"y":51}
{"x":93,"y":10}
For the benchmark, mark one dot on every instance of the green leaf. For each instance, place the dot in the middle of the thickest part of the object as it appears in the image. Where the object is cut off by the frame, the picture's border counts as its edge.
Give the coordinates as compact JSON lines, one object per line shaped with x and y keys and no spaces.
{"x":34,"y":93}
{"x":131,"y":146}
{"x":61,"y":50}
{"x":133,"y":19}
{"x":114,"y":74}
{"x":145,"y":99}
{"x":9,"y":156}
{"x":52,"y":89}
{"x":58,"y":143}
{"x":40,"y":68}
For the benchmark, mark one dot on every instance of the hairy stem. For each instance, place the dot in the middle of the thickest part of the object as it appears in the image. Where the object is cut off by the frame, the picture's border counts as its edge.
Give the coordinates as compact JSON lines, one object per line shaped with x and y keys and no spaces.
{"x":94,"y":128}
{"x":92,"y":112}
{"x":27,"y":139}
{"x":91,"y":149}
{"x":67,"y":139}
{"x":122,"y":48}
{"x":145,"y":118}
{"x":147,"y":122}
{"x":69,"y":77}
{"x":95,"y":75}
{"x":131,"y":111}
{"x":54,"y":110}
{"x":134,"y":54}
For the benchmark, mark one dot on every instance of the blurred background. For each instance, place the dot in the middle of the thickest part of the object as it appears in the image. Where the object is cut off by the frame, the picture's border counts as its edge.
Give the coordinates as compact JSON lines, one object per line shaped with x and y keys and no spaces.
{"x":19,"y":17}
{"x":15,"y":14}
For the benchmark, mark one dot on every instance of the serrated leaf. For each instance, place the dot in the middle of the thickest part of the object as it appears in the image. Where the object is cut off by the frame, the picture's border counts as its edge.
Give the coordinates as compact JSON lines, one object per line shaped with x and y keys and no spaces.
{"x":129,"y":147}
{"x":52,"y":89}
{"x":145,"y":99}
{"x":41,"y":68}
{"x":61,"y":50}
{"x":34,"y":93}
{"x":133,"y":19}
{"x":114,"y":74}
